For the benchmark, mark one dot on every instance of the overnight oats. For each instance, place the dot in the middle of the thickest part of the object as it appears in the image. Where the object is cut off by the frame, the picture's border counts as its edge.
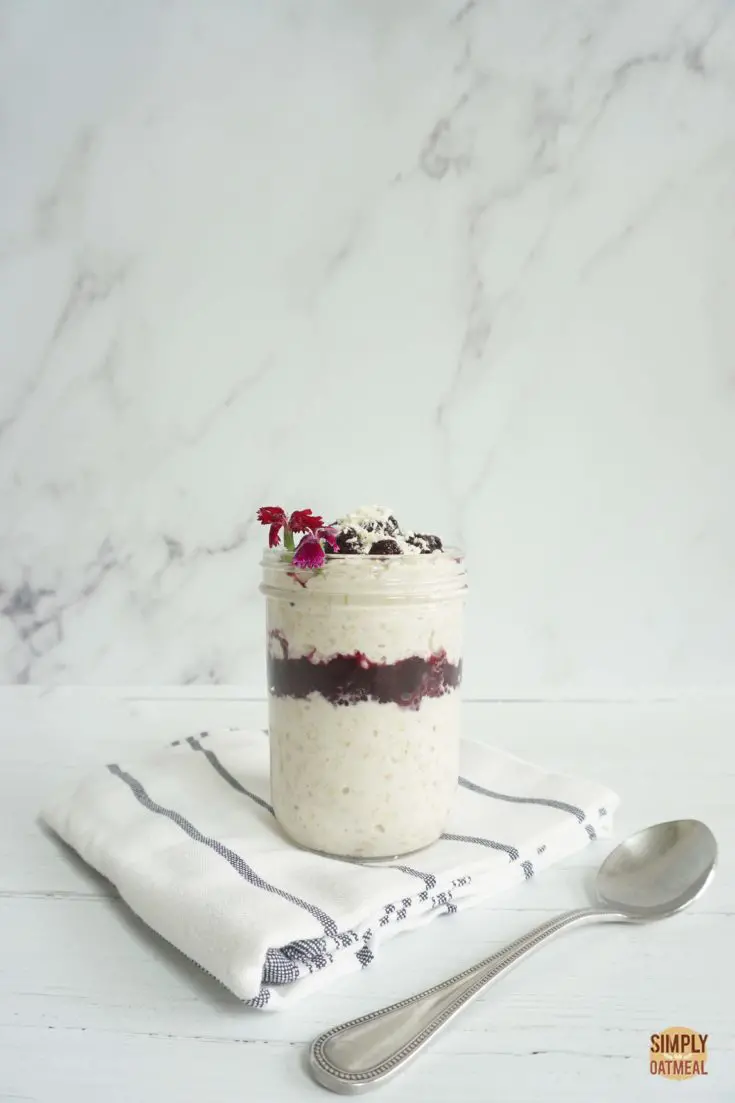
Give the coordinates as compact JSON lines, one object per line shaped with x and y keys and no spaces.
{"x":364,"y":630}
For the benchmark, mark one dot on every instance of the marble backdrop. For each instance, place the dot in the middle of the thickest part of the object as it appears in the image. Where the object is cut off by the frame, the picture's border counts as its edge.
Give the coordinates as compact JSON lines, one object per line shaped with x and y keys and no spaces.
{"x":474,"y":260}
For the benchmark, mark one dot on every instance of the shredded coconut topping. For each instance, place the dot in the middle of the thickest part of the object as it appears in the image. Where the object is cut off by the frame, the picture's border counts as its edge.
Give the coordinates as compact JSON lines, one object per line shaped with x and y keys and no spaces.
{"x":374,"y":529}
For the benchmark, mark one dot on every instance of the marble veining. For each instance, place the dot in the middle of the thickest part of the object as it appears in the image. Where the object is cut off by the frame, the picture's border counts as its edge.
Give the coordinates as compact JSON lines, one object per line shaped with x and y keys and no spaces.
{"x":472,"y":260}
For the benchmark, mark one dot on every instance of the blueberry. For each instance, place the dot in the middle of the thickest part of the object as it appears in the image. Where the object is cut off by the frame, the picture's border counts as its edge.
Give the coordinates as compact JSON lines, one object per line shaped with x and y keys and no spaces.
{"x":348,"y":543}
{"x":427,"y":542}
{"x":385,"y":547}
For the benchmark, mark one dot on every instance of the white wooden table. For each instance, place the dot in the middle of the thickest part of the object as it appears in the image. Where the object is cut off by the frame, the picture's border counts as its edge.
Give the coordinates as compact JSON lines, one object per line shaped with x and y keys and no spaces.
{"x":95,"y":1007}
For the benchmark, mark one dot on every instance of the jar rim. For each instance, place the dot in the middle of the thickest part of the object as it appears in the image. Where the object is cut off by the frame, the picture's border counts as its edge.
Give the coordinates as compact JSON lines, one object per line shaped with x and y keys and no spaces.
{"x":272,"y":558}
{"x":366,"y":579}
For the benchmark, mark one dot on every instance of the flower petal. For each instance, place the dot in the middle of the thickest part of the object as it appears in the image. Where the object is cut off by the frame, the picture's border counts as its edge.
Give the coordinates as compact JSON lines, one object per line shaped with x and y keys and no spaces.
{"x":309,"y":553}
{"x":303,"y":520}
{"x":273,"y":538}
{"x":330,"y":535}
{"x":272,"y":515}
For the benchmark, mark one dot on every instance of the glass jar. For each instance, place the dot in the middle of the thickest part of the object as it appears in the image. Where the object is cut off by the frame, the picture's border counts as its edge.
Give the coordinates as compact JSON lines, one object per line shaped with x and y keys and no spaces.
{"x":364,"y":673}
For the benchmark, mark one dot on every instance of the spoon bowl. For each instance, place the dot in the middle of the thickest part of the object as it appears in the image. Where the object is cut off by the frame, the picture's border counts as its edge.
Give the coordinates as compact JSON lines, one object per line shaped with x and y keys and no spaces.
{"x":659,"y":871}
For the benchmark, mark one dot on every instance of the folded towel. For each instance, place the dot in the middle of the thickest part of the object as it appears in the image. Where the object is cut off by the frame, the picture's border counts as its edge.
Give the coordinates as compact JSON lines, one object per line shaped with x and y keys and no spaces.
{"x":189,"y":839}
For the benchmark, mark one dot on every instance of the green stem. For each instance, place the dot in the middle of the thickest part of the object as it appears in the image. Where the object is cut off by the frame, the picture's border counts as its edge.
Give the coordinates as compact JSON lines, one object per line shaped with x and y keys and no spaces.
{"x":288,"y":541}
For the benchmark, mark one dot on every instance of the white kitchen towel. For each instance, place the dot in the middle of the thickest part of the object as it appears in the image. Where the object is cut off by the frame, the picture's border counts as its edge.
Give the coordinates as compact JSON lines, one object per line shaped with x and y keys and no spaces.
{"x":189,"y":839}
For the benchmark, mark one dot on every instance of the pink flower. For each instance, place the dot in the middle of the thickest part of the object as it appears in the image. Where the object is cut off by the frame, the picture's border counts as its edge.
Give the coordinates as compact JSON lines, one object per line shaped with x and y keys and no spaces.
{"x":276,"y":518}
{"x":301,"y":520}
{"x":309,"y":553}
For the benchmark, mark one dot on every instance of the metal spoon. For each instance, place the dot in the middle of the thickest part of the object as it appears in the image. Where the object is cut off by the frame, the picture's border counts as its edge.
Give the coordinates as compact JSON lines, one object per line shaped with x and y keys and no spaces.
{"x":652,"y":875}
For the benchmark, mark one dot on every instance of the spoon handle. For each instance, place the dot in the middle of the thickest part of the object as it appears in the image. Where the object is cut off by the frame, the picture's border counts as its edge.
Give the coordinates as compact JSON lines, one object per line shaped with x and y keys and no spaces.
{"x":363,"y":1053}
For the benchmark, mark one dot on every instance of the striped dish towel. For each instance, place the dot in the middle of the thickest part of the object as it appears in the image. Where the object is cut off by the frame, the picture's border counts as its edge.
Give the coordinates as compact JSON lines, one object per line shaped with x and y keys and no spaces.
{"x":188,"y":838}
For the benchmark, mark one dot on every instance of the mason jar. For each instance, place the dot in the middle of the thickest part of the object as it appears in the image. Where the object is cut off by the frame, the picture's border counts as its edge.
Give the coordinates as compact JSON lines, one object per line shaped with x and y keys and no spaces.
{"x":364,"y":672}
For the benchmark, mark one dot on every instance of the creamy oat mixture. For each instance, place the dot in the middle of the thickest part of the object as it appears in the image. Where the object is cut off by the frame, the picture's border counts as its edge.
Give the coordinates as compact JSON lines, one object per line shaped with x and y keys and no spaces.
{"x":367,"y":780}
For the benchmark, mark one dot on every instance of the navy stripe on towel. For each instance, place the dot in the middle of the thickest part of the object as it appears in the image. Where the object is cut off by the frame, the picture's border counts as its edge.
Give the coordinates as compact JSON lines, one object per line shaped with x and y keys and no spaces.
{"x":546,"y":802}
{"x":491,"y":843}
{"x":261,"y":1000}
{"x":238,"y":864}
{"x":225,"y":774}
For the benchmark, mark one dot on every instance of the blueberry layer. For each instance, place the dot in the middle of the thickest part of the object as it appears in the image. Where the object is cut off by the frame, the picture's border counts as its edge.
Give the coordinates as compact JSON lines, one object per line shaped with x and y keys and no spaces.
{"x":347,"y":679}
